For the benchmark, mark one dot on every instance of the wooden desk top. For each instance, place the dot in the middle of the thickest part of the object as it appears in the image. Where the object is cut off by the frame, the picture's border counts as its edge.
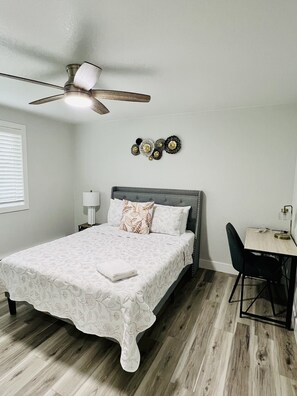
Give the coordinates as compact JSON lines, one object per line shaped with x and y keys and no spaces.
{"x":266,"y":242}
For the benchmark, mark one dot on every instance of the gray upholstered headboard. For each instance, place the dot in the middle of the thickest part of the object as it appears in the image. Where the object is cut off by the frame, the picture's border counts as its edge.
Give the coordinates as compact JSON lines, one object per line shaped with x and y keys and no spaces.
{"x":173,"y":198}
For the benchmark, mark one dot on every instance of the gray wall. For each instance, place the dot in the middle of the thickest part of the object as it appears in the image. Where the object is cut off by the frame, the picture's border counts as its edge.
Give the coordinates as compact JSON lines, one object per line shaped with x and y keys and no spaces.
{"x":50,"y":179}
{"x":244,"y":161}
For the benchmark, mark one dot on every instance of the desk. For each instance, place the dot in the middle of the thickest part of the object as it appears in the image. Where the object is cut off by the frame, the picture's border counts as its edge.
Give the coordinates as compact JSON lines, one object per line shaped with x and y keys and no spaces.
{"x":265,"y":242}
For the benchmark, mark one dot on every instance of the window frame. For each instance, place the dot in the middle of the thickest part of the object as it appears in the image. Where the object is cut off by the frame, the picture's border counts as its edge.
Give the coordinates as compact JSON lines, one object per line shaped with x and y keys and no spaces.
{"x":17,"y":129}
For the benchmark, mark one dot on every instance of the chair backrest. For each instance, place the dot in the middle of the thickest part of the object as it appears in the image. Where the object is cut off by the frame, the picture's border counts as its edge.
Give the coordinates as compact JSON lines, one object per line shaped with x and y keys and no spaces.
{"x":236,"y":247}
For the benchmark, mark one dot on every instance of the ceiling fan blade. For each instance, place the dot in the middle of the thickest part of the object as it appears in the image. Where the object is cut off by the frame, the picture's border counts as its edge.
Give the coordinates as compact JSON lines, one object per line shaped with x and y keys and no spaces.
{"x":47,"y":100}
{"x":120,"y":95}
{"x":31,"y":81}
{"x":99,"y":107}
{"x":87,"y":76}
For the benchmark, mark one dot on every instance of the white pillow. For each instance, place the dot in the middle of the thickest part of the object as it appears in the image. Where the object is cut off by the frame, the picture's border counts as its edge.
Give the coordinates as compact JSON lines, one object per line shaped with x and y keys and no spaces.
{"x":167,"y":219}
{"x":183,"y":226}
{"x":115,"y":212}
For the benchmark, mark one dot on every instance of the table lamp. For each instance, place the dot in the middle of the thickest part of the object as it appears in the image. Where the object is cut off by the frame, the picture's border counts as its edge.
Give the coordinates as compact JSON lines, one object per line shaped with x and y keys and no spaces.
{"x":91,"y":201}
{"x":286,"y":213}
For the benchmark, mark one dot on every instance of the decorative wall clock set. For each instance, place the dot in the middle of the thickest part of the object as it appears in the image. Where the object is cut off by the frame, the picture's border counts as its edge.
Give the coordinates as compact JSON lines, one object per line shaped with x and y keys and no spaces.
{"x":153,"y":150}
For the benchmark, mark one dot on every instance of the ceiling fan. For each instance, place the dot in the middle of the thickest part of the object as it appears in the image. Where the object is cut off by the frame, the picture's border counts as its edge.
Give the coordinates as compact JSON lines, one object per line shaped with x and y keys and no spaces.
{"x":78,"y":89}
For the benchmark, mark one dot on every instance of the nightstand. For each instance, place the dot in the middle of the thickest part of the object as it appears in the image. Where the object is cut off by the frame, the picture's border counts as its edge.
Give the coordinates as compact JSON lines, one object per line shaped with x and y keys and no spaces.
{"x":84,"y":226}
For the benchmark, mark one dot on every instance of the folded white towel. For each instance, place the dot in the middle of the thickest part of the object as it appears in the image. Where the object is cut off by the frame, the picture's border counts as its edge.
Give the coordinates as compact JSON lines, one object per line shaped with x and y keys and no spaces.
{"x":116,"y":269}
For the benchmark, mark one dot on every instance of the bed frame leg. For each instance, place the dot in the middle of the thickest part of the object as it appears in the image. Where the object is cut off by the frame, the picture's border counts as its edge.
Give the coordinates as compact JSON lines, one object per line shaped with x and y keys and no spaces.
{"x":11,"y":305}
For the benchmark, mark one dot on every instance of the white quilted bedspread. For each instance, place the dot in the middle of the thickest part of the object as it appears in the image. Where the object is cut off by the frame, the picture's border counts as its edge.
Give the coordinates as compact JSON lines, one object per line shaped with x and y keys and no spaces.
{"x":60,"y":277}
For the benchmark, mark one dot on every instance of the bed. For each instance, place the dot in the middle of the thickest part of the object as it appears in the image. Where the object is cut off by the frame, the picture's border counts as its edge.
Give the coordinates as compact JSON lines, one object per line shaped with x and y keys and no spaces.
{"x":60,"y":277}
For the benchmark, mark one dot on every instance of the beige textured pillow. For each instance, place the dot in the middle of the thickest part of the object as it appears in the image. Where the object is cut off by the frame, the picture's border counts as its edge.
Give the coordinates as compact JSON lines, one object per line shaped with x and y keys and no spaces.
{"x":137,"y":217}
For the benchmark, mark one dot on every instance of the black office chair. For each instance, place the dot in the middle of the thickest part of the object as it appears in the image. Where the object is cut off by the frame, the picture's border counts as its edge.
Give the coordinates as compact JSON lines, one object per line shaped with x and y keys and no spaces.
{"x":255,"y":266}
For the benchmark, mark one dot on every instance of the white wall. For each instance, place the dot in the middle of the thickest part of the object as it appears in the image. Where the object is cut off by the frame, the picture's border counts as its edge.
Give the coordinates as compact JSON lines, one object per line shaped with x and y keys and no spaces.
{"x":294,"y":203}
{"x":50,"y":179}
{"x":244,"y":161}
{"x":294,"y":232}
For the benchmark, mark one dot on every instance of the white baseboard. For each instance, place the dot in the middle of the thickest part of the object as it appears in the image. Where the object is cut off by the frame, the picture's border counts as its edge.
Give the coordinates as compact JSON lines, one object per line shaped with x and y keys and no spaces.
{"x":217,"y":266}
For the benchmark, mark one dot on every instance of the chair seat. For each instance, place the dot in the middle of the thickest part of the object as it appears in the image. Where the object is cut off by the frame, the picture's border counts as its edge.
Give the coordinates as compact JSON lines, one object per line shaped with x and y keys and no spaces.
{"x":260,"y":266}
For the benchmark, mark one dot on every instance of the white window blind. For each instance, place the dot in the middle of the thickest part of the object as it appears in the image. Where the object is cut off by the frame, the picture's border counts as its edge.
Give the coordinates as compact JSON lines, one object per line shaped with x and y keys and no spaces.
{"x":13,"y":180}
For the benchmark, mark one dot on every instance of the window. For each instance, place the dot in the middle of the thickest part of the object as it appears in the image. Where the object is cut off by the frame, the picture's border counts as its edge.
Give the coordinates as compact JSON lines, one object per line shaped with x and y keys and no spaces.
{"x":13,"y":168}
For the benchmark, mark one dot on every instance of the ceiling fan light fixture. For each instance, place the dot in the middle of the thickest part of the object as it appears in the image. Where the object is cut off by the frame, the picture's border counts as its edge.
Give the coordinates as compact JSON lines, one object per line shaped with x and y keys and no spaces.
{"x":78,"y":99}
{"x":78,"y":91}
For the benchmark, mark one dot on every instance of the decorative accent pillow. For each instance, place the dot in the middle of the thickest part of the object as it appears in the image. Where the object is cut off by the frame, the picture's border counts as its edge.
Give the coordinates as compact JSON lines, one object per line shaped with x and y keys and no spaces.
{"x":167,"y":219}
{"x":137,"y":217}
{"x":115,"y":212}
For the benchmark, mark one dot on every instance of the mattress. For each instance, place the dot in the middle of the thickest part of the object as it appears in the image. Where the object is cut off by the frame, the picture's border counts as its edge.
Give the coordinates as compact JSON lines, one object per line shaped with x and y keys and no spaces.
{"x":61,"y":277}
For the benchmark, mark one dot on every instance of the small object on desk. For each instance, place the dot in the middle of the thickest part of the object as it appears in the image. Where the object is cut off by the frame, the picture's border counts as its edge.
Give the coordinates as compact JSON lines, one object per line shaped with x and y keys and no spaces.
{"x":84,"y":226}
{"x":263,"y":230}
{"x":282,"y":235}
{"x":286,"y":213}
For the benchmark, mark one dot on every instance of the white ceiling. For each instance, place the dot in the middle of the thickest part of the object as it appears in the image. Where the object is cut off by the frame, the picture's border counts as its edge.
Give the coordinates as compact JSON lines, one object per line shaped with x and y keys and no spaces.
{"x":189,"y":55}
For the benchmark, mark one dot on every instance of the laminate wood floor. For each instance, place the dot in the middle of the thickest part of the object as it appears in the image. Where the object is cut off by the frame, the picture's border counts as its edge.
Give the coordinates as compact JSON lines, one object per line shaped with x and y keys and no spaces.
{"x":198,"y":346}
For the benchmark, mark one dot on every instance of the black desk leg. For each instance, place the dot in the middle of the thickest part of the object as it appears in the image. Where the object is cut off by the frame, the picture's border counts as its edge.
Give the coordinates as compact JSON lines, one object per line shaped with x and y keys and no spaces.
{"x":291,"y":292}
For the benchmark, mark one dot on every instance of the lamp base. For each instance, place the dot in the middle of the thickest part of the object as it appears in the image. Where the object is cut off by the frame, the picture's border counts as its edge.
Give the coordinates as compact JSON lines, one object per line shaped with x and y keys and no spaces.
{"x":91,"y":215}
{"x":282,"y":235}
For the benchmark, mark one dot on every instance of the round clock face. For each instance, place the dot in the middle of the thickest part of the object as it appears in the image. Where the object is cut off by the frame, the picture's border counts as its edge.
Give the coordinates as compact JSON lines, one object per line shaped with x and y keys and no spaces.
{"x":135,"y":149}
{"x":157,"y":154}
{"x":172,"y":145}
{"x":160,"y":144}
{"x":147,"y":147}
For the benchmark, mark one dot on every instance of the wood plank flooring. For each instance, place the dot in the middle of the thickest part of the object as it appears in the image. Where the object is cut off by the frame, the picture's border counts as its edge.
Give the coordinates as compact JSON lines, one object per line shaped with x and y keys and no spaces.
{"x":198,"y":346}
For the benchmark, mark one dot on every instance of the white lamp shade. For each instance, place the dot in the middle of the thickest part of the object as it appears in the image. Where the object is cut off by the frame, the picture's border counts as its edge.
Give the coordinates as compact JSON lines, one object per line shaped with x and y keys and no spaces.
{"x":91,"y":198}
